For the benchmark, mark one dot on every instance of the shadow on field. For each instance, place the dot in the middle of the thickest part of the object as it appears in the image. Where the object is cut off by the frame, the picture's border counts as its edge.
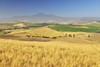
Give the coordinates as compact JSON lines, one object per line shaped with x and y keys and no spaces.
{"x":12,"y":37}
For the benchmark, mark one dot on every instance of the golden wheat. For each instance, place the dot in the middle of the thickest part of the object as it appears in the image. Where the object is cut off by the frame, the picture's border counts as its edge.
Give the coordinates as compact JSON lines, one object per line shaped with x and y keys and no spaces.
{"x":44,"y":31}
{"x":48,"y":54}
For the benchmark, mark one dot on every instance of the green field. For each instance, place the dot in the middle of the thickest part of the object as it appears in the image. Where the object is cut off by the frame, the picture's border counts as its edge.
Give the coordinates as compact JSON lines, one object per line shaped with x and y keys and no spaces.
{"x":92,"y":28}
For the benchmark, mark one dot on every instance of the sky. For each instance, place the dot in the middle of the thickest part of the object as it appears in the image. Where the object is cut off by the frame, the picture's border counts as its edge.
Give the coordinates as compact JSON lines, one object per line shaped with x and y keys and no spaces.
{"x":65,"y":8}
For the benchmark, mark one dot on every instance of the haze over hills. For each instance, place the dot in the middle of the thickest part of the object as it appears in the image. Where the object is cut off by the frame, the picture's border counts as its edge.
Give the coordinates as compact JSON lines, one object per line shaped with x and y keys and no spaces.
{"x":40,"y":17}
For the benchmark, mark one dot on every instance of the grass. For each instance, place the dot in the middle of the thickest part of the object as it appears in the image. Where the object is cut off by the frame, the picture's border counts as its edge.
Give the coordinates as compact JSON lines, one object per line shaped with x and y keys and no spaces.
{"x":78,"y":28}
{"x":48,"y":54}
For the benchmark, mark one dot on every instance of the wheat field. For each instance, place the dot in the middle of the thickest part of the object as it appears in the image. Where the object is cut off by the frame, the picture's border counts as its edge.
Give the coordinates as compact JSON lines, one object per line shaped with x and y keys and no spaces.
{"x":48,"y":54}
{"x":44,"y":31}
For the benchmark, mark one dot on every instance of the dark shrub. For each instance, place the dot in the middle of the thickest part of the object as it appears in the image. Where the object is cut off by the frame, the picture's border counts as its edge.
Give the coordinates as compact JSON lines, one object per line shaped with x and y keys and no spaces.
{"x":1,"y":30}
{"x":70,"y":35}
{"x":5,"y":32}
{"x":46,"y":37}
{"x":73,"y":35}
{"x":28,"y":35}
{"x":54,"y":37}
{"x":89,"y":36}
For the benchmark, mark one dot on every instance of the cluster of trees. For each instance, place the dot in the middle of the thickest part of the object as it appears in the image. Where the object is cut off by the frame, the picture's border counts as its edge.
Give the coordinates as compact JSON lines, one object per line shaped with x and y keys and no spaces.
{"x":40,"y":36}
{"x":7,"y":32}
{"x":70,"y":35}
{"x":11,"y":28}
{"x":73,"y":35}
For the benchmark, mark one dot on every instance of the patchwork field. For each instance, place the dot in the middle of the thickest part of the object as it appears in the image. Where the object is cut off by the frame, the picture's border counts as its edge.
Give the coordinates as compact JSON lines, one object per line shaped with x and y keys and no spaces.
{"x":50,"y":47}
{"x":91,"y":28}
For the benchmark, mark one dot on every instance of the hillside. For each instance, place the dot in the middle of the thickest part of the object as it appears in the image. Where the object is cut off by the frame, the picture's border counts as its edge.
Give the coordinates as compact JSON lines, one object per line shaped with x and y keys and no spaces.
{"x":44,"y":31}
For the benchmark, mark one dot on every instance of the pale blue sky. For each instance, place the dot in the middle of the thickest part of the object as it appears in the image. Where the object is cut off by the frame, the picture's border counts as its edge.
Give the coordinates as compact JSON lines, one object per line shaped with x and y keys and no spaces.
{"x":68,"y":8}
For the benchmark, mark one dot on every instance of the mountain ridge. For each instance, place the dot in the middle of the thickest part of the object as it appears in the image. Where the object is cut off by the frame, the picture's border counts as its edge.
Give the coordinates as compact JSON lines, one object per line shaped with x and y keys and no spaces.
{"x":41,"y":17}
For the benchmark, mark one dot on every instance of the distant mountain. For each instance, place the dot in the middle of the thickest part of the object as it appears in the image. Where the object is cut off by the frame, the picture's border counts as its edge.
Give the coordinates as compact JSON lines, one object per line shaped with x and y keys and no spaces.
{"x":36,"y":18}
{"x":49,"y":18}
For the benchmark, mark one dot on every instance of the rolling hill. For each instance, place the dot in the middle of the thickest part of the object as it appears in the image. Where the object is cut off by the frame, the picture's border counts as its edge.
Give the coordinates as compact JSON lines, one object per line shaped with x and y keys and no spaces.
{"x":44,"y":31}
